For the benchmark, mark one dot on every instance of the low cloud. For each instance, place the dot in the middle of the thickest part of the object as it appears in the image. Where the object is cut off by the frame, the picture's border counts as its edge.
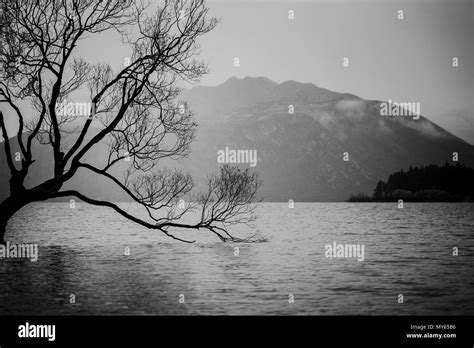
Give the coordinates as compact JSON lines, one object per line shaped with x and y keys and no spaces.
{"x":425,"y":127}
{"x":352,"y":108}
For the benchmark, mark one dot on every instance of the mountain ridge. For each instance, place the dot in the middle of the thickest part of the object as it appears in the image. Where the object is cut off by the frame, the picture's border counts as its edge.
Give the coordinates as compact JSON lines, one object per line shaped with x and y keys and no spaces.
{"x":300,"y":153}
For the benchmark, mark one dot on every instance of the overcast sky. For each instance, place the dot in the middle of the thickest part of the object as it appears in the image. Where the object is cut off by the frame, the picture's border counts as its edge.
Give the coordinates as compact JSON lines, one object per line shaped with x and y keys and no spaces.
{"x":407,"y":60}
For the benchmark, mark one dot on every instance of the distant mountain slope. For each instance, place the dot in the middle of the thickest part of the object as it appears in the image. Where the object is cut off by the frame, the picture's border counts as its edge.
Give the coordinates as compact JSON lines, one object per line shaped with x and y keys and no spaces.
{"x":300,"y":155}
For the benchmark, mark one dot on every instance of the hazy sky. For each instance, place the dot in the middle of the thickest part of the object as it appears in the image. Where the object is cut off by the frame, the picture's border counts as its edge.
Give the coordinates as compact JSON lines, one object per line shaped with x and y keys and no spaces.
{"x":407,"y":60}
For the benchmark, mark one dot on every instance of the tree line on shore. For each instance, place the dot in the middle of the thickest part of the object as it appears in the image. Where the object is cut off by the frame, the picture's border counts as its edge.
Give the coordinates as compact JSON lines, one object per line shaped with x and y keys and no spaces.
{"x":432,"y":183}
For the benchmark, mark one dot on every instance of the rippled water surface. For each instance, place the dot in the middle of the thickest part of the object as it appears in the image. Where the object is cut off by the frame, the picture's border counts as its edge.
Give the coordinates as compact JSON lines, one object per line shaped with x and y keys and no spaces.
{"x":407,"y":251}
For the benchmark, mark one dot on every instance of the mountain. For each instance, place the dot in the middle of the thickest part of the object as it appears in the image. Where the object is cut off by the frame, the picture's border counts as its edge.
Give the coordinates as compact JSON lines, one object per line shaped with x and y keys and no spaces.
{"x":301,"y":154}
{"x":213,"y":101}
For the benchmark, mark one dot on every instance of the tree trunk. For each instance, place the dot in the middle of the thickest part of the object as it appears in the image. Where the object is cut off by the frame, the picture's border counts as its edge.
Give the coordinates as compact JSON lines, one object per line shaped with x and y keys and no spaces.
{"x":8,"y":208}
{"x":3,"y":229}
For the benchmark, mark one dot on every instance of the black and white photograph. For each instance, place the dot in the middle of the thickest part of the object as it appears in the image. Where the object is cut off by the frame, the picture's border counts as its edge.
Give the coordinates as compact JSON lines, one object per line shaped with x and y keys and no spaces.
{"x":179,"y":161}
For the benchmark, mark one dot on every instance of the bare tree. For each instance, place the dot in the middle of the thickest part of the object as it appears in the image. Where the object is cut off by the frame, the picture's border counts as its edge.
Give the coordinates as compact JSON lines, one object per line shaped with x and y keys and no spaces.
{"x":138,"y":109}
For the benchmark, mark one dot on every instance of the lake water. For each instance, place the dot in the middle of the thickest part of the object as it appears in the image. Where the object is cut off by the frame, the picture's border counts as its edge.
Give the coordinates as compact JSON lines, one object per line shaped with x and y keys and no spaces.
{"x":407,"y":251}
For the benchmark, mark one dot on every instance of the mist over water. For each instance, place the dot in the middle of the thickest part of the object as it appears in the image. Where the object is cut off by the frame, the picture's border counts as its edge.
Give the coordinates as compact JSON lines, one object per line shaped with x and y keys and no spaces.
{"x":407,"y":251}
